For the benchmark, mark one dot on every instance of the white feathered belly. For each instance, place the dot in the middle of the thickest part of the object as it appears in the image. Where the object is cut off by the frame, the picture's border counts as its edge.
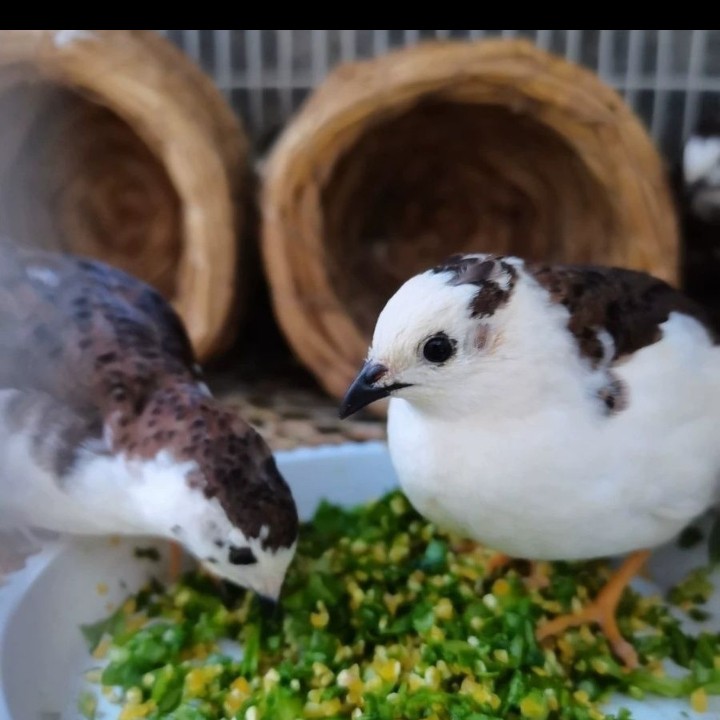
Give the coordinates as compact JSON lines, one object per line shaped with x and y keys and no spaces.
{"x":551,"y":503}
{"x":564,"y":483}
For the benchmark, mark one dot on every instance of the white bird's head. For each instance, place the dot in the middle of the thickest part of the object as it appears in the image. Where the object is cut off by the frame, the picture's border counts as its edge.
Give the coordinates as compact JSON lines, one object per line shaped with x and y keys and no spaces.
{"x":431,"y":334}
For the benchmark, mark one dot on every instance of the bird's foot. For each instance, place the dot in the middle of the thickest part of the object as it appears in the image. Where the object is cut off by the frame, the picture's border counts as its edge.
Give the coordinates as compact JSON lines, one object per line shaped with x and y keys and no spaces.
{"x":538,"y":578}
{"x":175,"y":562}
{"x":598,"y":613}
{"x":602,"y":610}
{"x":499,"y":561}
{"x":462,"y":547}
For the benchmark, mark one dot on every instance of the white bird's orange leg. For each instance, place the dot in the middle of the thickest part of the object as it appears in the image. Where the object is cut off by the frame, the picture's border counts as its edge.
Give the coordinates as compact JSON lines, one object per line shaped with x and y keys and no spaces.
{"x":175,"y":564}
{"x":497,"y":562}
{"x":602,"y":611}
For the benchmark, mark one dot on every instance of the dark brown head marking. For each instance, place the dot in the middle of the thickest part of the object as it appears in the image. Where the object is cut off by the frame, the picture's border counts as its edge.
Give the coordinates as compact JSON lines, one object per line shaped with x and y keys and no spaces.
{"x":494,"y":277}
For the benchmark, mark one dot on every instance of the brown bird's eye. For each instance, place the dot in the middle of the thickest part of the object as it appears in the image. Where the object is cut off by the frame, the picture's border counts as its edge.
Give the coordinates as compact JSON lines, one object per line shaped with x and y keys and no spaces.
{"x":439,"y":348}
{"x":241,"y":556}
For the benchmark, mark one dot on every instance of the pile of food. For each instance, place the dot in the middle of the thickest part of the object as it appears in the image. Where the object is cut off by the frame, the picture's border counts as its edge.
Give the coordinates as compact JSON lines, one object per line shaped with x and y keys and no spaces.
{"x":384,"y":617}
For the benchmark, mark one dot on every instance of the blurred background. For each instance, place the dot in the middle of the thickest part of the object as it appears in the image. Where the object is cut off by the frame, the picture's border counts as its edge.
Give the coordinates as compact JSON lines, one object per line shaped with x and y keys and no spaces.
{"x":278,"y":185}
{"x":671,"y":78}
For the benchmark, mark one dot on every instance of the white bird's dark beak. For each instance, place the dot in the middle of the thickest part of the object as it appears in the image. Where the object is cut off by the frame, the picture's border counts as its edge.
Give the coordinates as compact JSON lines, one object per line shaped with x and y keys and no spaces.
{"x":366,"y":389}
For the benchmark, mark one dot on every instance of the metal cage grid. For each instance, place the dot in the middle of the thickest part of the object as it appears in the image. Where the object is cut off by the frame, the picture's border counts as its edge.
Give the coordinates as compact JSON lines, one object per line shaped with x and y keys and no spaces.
{"x":671,"y":78}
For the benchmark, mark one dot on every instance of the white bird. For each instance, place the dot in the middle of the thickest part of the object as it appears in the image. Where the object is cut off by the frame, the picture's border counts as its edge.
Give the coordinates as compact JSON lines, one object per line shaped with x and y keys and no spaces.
{"x":550,"y":412}
{"x":106,"y":425}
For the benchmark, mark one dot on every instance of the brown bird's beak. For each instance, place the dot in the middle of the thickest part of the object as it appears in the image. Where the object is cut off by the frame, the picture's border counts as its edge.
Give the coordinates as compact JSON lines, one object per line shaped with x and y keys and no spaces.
{"x":365,"y":389}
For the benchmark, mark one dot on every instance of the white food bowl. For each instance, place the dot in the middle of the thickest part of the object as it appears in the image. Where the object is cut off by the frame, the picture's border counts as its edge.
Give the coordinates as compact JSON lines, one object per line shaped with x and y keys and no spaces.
{"x":43,"y":655}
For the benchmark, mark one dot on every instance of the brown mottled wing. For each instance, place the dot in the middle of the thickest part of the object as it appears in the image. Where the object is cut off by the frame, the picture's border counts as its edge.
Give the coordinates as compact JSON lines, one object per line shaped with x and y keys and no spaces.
{"x":81,"y":331}
{"x":628,"y":305}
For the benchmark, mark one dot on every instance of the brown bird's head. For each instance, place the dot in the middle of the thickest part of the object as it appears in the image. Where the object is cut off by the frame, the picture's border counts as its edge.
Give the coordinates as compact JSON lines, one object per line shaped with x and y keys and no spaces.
{"x":210,"y":480}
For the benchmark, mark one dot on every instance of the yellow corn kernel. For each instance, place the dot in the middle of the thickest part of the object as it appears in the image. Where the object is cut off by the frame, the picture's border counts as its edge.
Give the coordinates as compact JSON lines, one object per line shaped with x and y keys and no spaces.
{"x":321,"y":618}
{"x":324,"y":709}
{"x":271,"y":678}
{"x":699,"y":700}
{"x":465,"y":571}
{"x":101,"y":588}
{"x":349,"y":678}
{"x":373,"y":684}
{"x":398,"y":553}
{"x":432,"y":678}
{"x":133,"y":696}
{"x":444,"y":609}
{"x":392,"y":602}
{"x":490,"y":601}
{"x":102,"y":648}
{"x":566,"y":649}
{"x":233,"y":702}
{"x":93,"y":675}
{"x":344,"y":652}
{"x":476,"y":623}
{"x":398,"y":505}
{"x":355,"y":691}
{"x":388,"y":670}
{"x":136,"y":712}
{"x":582,"y":697}
{"x":415,"y":682}
{"x":533,"y":708}
{"x":129,"y":606}
{"x":241,"y":685}
{"x":198,"y":678}
{"x":136,"y":622}
{"x":658,"y":670}
{"x":436,"y":634}
{"x":479,"y":693}
{"x":501,"y":587}
{"x":600,"y":666}
{"x":501,"y":656}
{"x":357,"y":595}
{"x":358,"y":547}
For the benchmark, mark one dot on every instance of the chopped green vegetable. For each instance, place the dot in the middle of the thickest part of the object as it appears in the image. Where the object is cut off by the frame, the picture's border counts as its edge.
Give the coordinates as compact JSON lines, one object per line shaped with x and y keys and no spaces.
{"x":87,"y":705}
{"x":110,"y":625}
{"x":695,"y":589}
{"x":385,"y":617}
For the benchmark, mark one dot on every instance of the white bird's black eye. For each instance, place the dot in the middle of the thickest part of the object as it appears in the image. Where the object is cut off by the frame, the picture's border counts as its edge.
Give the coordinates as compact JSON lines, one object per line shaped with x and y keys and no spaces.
{"x":438,"y":348}
{"x":241,"y":556}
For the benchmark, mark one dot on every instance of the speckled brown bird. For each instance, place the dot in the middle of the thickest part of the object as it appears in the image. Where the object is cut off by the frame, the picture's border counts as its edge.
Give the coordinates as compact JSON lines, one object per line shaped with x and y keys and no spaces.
{"x":106,"y":425}
{"x":550,"y":412}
